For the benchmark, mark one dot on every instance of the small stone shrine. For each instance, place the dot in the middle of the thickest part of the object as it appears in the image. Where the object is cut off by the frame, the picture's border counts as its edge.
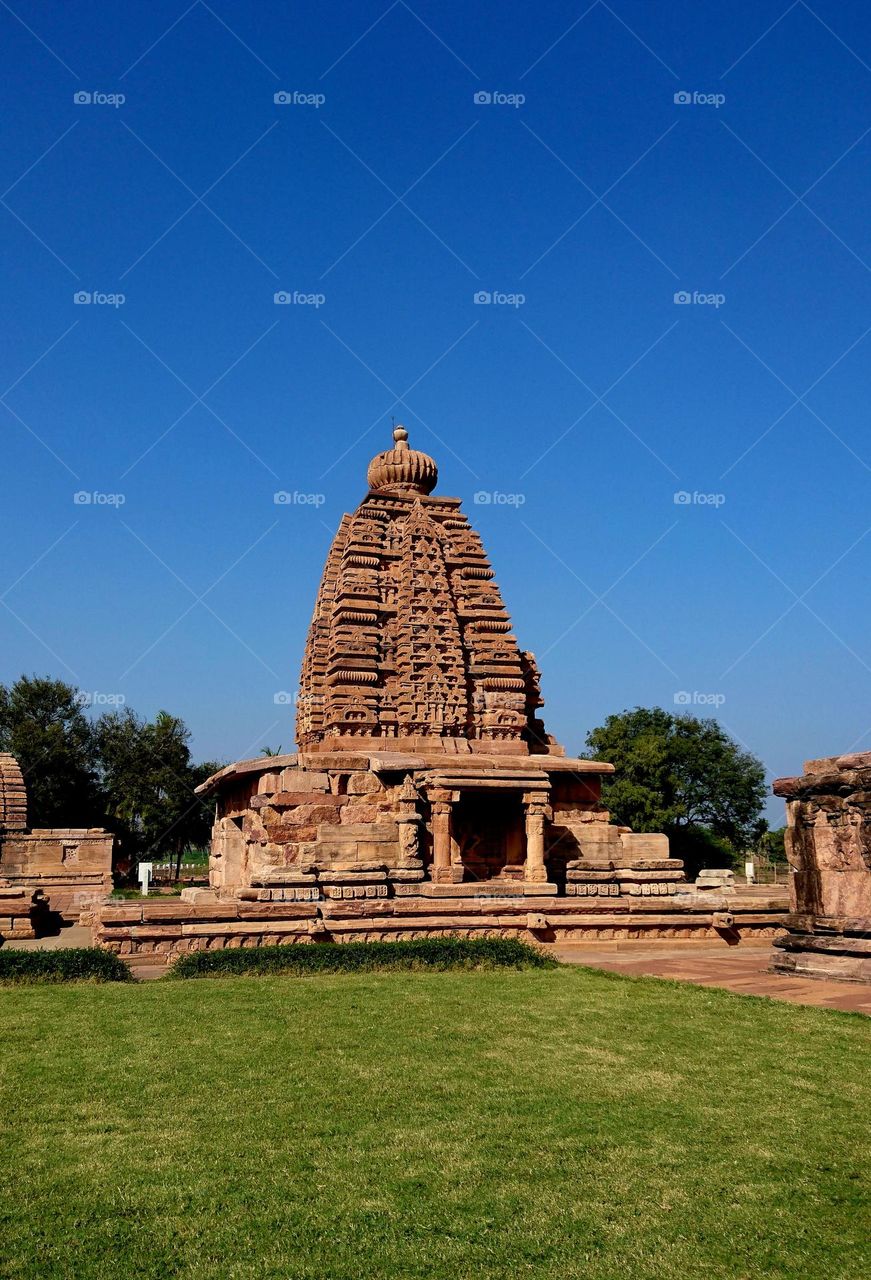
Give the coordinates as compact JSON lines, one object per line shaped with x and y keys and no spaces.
{"x":828,"y":845}
{"x":56,"y":869}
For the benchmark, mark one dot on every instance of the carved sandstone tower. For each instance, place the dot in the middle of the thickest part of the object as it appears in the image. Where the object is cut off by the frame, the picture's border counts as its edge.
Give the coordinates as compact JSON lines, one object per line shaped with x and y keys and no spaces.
{"x":410,"y":646}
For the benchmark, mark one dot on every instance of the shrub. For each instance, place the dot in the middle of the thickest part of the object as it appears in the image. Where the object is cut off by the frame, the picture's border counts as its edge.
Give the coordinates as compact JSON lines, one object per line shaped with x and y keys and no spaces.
{"x":364,"y":957}
{"x":67,"y":964}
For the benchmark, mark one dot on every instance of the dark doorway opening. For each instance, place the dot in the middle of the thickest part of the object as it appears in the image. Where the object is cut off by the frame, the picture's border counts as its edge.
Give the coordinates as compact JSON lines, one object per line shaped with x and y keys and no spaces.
{"x":488,"y":827}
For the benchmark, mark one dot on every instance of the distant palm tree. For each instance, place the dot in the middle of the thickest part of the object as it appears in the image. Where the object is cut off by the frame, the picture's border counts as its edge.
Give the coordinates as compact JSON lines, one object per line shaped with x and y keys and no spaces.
{"x":268,"y":751}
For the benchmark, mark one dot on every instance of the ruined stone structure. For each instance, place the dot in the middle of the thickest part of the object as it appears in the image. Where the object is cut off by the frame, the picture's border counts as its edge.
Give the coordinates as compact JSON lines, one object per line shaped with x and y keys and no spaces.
{"x":828,"y":844}
{"x":59,"y":870}
{"x":426,"y":796}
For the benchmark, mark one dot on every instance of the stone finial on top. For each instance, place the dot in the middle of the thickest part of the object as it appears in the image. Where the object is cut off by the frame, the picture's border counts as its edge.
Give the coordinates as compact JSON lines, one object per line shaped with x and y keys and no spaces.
{"x":401,"y":469}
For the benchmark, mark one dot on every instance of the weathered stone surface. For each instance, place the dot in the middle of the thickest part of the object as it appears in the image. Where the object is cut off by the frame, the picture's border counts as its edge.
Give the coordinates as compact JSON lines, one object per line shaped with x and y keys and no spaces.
{"x":354,"y":814}
{"x":289,"y":799}
{"x":828,"y":845}
{"x":71,"y":867}
{"x":363,"y":783}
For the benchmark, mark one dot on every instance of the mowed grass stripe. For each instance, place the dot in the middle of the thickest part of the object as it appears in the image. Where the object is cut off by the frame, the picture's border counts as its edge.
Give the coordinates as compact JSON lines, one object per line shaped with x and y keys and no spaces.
{"x":491,"y":1124}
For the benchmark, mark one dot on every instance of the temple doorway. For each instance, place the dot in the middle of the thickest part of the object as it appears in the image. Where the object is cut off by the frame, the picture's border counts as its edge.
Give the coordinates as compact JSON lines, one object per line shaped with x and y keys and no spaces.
{"x":488,"y":827}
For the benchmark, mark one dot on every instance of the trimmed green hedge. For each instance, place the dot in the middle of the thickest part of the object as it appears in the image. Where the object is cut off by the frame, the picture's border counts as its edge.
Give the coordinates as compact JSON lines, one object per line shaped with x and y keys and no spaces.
{"x":66,"y":964}
{"x":364,"y":957}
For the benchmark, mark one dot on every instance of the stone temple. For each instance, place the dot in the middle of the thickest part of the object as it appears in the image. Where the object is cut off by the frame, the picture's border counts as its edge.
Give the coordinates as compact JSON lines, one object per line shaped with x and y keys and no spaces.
{"x":422,"y":759}
{"x":426,"y":796}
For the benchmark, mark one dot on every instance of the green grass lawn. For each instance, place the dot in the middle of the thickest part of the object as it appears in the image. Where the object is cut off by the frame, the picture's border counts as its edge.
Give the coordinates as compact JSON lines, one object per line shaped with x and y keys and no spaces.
{"x":470,"y":1124}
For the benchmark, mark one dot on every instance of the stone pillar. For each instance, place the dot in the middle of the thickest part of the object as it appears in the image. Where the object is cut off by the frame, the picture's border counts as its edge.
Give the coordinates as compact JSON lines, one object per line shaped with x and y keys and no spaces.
{"x":537,"y":810}
{"x":441,"y":805}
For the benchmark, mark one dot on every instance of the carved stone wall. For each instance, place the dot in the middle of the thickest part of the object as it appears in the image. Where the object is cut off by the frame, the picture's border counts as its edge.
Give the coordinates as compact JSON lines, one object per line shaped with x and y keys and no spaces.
{"x":61,"y":868}
{"x":72,"y":866}
{"x":828,"y":845}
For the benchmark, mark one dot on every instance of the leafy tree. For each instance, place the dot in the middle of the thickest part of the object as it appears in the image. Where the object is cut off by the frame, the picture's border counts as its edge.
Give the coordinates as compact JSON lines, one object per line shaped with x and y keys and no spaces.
{"x":685,"y":777}
{"x":42,"y":724}
{"x":122,"y":772}
{"x":149,"y":782}
{"x":772,"y":846}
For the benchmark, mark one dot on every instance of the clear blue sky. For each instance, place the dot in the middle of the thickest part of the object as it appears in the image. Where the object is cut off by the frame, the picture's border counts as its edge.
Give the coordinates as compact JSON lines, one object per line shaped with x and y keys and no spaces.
{"x":397,"y":198}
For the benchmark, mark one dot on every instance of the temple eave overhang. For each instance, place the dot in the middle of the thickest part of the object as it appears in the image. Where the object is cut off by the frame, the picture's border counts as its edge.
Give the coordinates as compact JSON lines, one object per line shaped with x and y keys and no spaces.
{"x":463,"y":768}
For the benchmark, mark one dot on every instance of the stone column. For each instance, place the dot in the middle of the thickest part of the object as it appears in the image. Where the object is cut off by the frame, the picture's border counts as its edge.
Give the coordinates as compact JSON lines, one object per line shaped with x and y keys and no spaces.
{"x":441,"y":807}
{"x":441,"y":836}
{"x":537,"y":810}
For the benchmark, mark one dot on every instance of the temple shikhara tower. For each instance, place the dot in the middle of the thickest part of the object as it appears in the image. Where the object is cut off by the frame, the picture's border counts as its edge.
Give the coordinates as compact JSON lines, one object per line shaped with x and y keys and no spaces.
{"x":423,"y":769}
{"x":410,"y":647}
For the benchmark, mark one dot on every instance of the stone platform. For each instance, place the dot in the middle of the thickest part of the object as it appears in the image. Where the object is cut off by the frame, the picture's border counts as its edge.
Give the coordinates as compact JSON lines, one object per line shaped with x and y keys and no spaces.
{"x":149,"y":930}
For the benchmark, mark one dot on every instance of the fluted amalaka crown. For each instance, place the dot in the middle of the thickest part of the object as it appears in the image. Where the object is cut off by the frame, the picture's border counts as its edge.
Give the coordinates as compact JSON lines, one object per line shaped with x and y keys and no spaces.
{"x":402,"y":470}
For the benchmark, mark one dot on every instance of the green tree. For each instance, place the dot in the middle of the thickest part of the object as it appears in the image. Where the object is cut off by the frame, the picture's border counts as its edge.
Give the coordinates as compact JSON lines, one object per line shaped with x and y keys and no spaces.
{"x":685,"y":777}
{"x":772,"y":845}
{"x":149,"y":780}
{"x":42,"y":724}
